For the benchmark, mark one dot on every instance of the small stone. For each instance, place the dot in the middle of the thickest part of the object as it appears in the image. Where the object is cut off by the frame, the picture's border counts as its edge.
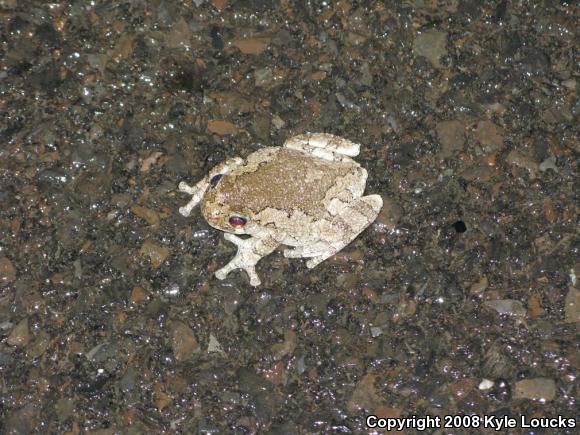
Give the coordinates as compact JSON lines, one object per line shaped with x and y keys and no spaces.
{"x":431,"y":45}
{"x":151,"y":216}
{"x":7,"y":271}
{"x":23,"y":420}
{"x":278,"y":122}
{"x":550,"y":211}
{"x":549,"y":163}
{"x":535,"y":306}
{"x":123,"y":48}
{"x":179,"y":36}
{"x":20,"y":335}
{"x":64,"y":408}
{"x":349,"y":256}
{"x":128,"y":381}
{"x":220,"y":5}
{"x":138,"y":295}
{"x":9,"y":4}
{"x":572,"y":306}
{"x":161,"y":398}
{"x":214,"y":345}
{"x":557,"y":115}
{"x":388,"y":412}
{"x":318,"y":75}
{"x":252,"y":45}
{"x":121,"y":200}
{"x":508,"y":307}
{"x":405,"y":309}
{"x":376,"y":331}
{"x":157,"y":254}
{"x":177,"y":384}
{"x":183,"y":341}
{"x":516,"y":158}
{"x":347,"y":280}
{"x":234,"y":103}
{"x":150,"y":161}
{"x":364,"y":396}
{"x":389,"y":216}
{"x":262,"y":124}
{"x":535,"y":61}
{"x":370,"y":294}
{"x":221,"y":128}
{"x":480,"y":171}
{"x":486,"y":384}
{"x":276,"y":374}
{"x":542,"y":389}
{"x":451,"y":135}
{"x":280,"y":350}
{"x":102,"y":351}
{"x":263,"y":76}
{"x":172,"y":290}
{"x":40,"y":345}
{"x":570,"y":84}
{"x":489,"y":135}
{"x":462,"y":388}
{"x":479,"y":287}
{"x":53,"y":177}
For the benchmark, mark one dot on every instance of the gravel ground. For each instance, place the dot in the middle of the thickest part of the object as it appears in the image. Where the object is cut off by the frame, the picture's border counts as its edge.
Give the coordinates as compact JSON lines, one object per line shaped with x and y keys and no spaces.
{"x":462,"y":298}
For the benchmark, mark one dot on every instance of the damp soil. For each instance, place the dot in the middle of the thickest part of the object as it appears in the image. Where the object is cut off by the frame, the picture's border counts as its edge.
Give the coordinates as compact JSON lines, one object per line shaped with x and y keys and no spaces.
{"x":462,"y":297}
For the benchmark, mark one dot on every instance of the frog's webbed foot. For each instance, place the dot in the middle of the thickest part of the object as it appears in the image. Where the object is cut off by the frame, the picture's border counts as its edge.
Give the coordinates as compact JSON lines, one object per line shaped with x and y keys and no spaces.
{"x":250,"y":251}
{"x":232,"y":265}
{"x":325,"y":146}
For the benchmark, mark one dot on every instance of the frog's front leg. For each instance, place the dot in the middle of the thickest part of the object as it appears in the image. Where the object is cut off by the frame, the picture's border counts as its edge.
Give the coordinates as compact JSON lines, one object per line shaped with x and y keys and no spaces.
{"x":200,"y":188}
{"x":250,"y":251}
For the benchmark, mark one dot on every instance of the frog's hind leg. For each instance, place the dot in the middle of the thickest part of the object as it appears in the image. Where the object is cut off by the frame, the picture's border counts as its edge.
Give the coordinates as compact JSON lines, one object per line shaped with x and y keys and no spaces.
{"x":324,"y":145}
{"x":306,"y":251}
{"x":349,"y":223}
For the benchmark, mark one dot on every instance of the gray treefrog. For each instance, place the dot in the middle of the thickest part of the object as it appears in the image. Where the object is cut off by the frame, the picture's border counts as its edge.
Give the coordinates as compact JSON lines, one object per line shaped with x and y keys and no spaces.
{"x":307,"y":194}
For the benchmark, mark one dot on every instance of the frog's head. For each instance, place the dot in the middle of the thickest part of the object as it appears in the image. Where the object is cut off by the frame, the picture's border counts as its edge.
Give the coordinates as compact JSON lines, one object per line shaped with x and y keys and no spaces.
{"x":220,"y":213}
{"x":214,"y":199}
{"x":219,"y":208}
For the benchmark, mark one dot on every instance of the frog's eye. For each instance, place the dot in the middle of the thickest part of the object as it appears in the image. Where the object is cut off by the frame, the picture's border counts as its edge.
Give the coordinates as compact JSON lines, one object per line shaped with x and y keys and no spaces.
{"x":215,"y":180}
{"x":237,"y":221}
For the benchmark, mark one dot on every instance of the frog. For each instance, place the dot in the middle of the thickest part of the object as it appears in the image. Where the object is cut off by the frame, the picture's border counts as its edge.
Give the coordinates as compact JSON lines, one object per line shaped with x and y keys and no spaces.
{"x":306,"y":195}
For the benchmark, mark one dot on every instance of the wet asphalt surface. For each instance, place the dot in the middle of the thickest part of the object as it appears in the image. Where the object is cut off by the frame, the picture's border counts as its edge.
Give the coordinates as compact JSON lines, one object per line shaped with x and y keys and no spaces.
{"x":462,"y":298}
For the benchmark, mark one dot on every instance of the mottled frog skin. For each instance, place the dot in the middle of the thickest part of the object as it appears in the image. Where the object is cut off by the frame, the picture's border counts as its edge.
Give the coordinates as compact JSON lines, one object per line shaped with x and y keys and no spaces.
{"x":307,"y":195}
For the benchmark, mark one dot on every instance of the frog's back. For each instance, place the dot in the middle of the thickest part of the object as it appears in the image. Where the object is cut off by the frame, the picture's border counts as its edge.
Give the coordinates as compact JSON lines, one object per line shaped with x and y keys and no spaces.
{"x":284,"y":179}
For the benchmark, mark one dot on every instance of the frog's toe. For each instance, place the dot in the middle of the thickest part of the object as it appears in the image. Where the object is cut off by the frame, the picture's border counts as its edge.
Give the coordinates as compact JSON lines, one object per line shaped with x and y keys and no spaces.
{"x":184,"y":187}
{"x":186,"y":209}
{"x":254,"y":278}
{"x":235,"y":239}
{"x":221,"y":274}
{"x":315,"y":261}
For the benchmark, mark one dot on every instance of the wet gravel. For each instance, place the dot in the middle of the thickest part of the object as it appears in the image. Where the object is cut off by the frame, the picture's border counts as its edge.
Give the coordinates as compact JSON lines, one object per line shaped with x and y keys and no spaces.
{"x":462,"y":298}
